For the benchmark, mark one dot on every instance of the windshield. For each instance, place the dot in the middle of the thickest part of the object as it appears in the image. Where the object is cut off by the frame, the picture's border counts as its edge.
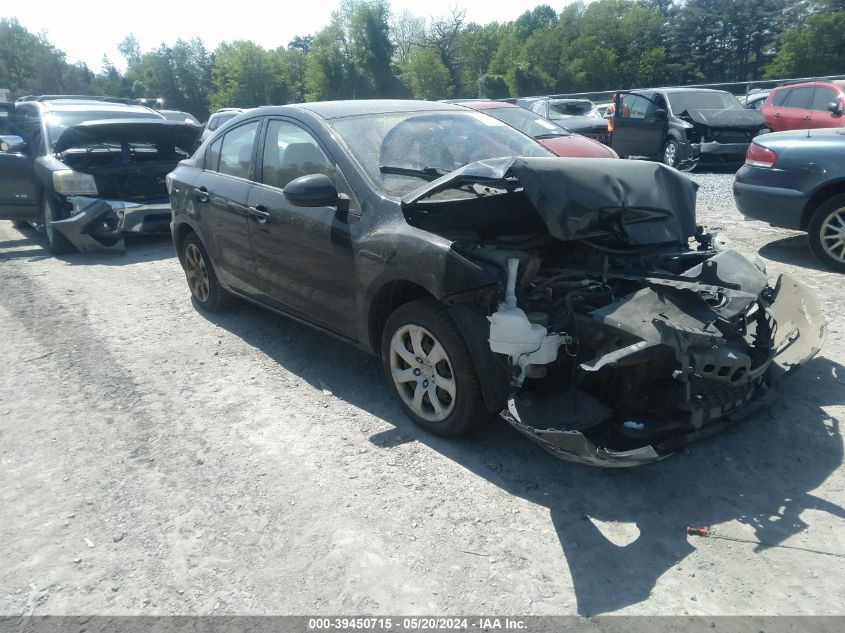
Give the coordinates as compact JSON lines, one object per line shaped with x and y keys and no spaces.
{"x":680,"y":102}
{"x":58,"y":122}
{"x":423,"y":145}
{"x":528,"y":122}
{"x":567,"y":108}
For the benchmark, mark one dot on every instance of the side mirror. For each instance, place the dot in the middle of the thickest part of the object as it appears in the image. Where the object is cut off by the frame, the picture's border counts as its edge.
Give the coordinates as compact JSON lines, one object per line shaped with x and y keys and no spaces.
{"x":835,"y":108}
{"x":12,"y":145}
{"x":313,"y":190}
{"x":660,"y":114}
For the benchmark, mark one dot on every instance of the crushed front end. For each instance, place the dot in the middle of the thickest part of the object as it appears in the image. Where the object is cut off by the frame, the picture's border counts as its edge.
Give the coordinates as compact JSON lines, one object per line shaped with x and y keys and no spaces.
{"x":627,"y":332}
{"x":650,"y":360}
{"x":109,"y":177}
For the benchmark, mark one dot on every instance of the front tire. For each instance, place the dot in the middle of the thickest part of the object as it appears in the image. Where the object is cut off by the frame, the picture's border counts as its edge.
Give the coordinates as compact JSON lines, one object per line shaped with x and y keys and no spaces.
{"x":206,"y":291}
{"x":430,"y":370}
{"x":826,"y":233}
{"x":57,"y":243}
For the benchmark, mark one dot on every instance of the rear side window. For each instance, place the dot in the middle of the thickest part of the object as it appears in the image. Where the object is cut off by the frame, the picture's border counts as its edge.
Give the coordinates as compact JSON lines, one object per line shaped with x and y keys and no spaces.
{"x":800,"y":98}
{"x":780,"y":96}
{"x":291,"y":152}
{"x":236,"y":151}
{"x":823,"y":98}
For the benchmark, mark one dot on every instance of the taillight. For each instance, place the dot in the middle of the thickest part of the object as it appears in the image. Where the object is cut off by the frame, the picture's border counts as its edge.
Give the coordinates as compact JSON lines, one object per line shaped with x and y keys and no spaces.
{"x":759,"y":156}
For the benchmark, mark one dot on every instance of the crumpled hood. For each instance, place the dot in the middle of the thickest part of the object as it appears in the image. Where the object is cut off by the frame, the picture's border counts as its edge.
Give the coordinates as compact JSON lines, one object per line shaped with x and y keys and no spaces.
{"x":728,"y":118}
{"x":118,"y":131}
{"x":649,"y":203}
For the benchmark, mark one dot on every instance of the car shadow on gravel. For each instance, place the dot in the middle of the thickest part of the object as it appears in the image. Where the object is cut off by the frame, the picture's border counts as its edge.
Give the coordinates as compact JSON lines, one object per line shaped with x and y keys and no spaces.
{"x":138,"y":249}
{"x":760,"y":473}
{"x":792,"y":250}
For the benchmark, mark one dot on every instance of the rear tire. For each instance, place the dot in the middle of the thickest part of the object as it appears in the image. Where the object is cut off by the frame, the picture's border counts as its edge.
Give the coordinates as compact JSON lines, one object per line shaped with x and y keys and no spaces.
{"x":430,"y":370}
{"x":826,"y":233}
{"x":206,"y":291}
{"x":57,"y":243}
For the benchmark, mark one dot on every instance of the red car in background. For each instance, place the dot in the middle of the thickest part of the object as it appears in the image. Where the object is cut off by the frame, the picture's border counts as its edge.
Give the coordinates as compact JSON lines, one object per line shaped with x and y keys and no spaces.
{"x":557,"y":138}
{"x":814,"y":104}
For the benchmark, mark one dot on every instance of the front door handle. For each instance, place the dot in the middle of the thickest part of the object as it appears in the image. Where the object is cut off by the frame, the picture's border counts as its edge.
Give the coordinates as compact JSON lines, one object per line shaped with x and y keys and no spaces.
{"x":776,"y":114}
{"x":201,"y":194}
{"x":807,"y":118}
{"x":259,"y":214}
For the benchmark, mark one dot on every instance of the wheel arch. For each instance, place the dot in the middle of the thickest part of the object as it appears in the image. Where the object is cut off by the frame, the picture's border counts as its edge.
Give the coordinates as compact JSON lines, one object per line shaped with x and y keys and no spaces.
{"x":819,"y":197}
{"x":385,"y":301}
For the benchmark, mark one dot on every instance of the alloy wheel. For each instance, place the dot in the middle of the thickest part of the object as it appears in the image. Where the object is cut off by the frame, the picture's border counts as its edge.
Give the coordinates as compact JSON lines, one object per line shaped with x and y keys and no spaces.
{"x":832,"y":234}
{"x":422,"y":373}
{"x":196,"y":272}
{"x":670,"y":154}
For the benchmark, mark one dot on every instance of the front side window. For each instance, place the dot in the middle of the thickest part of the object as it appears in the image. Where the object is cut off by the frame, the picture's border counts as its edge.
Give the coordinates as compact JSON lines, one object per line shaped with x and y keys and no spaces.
{"x":291,"y":152}
{"x":635,"y":106}
{"x":823,"y":98}
{"x":236,"y":151}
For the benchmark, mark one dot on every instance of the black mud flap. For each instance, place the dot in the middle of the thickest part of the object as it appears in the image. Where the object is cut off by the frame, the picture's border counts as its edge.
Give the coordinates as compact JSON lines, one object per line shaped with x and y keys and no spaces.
{"x":95,"y":229}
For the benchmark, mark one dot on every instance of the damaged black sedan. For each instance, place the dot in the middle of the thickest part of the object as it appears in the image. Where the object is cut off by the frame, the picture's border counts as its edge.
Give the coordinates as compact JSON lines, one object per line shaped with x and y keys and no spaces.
{"x":576,"y":298}
{"x":89,"y":170}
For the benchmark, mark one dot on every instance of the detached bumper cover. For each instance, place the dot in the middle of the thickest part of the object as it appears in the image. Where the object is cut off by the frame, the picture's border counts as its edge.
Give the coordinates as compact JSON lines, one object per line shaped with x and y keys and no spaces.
{"x":99,"y":224}
{"x":800,"y":332}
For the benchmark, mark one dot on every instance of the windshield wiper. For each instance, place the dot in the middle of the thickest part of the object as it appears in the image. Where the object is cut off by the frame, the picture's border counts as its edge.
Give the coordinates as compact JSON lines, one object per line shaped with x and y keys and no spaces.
{"x":426,"y":173}
{"x":540,"y":137}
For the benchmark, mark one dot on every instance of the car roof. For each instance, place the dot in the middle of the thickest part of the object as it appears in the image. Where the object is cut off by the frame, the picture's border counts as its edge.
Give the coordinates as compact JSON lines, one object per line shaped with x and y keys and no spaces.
{"x":338,"y":109}
{"x":486,"y":105}
{"x":839,"y":83}
{"x":675,"y":90}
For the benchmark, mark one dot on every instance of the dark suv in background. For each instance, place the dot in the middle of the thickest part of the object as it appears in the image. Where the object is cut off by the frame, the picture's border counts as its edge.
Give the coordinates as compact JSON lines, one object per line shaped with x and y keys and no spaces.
{"x":684,"y":126}
{"x":88,"y":169}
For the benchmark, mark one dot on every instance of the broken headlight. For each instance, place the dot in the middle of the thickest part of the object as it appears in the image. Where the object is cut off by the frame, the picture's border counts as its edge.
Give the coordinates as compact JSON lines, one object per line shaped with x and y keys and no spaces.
{"x":68,"y":182}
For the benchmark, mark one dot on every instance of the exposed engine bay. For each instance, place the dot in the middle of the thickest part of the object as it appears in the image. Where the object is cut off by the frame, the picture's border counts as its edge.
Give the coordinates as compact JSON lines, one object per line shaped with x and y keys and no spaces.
{"x":123,"y":165}
{"x":634,"y":333}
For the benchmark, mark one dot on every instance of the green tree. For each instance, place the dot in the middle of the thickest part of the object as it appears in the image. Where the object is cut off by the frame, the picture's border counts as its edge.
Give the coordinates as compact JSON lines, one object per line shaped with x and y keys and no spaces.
{"x":246,"y":75}
{"x":426,"y":75}
{"x":816,"y":47}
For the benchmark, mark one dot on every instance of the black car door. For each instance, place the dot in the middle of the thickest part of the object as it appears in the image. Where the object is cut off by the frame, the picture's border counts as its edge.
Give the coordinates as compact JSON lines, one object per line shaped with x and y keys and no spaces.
{"x":18,"y":147}
{"x":304,"y":261}
{"x":220,"y":197}
{"x":638,"y":129}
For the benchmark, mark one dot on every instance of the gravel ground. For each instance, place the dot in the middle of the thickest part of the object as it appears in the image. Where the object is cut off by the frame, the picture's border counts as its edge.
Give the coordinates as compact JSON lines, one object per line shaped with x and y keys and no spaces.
{"x":158,"y":461}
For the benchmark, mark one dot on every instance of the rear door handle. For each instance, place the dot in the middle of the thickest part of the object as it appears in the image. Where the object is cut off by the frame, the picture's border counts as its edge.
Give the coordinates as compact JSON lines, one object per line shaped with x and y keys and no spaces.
{"x":201,"y":194}
{"x":807,"y":118}
{"x":776,"y":114}
{"x":259,"y":214}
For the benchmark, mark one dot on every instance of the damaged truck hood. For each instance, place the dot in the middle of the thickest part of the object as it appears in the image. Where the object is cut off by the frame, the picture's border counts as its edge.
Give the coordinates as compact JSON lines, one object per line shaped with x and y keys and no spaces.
{"x":577,"y":199}
{"x":119,"y":131}
{"x":728,"y":118}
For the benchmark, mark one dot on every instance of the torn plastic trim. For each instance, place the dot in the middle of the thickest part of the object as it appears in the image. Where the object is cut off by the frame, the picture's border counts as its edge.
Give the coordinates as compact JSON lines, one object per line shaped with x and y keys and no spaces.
{"x":97,"y":224}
